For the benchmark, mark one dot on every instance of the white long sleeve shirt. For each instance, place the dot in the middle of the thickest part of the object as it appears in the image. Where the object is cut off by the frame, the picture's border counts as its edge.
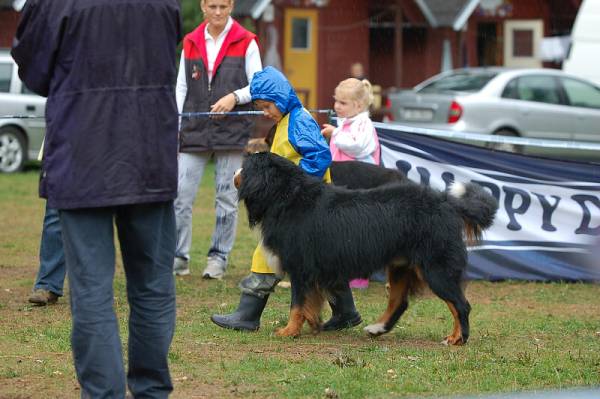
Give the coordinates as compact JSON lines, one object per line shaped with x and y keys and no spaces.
{"x":355,"y":138}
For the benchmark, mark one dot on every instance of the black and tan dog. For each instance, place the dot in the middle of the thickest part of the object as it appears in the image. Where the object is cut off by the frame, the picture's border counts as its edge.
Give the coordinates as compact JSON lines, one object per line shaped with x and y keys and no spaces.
{"x":349,"y":174}
{"x":322,"y":236}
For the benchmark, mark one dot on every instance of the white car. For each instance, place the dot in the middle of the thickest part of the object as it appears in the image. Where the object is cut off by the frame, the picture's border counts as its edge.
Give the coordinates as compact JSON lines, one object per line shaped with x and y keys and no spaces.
{"x":20,"y":139}
{"x":529,"y":103}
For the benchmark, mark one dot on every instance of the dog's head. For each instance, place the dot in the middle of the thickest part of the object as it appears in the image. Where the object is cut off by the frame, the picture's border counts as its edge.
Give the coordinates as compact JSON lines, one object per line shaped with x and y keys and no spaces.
{"x":255,"y":145}
{"x":261,"y":144}
{"x":269,"y":183}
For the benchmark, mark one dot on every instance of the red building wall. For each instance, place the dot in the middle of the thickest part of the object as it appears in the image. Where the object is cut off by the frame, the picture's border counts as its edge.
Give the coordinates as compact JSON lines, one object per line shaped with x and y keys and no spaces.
{"x":8,"y":27}
{"x":382,"y":64}
{"x":522,"y":9}
{"x":343,"y":40}
{"x":345,"y":37}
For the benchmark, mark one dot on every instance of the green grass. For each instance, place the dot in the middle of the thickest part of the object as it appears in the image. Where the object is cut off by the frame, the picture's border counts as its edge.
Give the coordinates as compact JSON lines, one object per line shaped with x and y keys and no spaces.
{"x":524,"y":336}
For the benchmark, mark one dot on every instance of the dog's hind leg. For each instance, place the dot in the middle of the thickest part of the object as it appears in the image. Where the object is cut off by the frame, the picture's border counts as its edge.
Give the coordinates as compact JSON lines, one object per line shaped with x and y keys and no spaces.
{"x":400,"y":280}
{"x":448,"y":288}
{"x":460,"y":332}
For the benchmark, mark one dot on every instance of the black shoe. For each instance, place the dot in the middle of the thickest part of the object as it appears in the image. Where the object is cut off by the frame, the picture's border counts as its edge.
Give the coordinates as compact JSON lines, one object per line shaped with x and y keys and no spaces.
{"x":247,"y":315}
{"x":342,"y":321}
{"x":344,"y":313}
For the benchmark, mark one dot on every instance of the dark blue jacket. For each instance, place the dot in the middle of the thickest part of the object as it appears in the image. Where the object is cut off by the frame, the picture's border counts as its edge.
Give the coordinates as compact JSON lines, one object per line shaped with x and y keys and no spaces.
{"x":108,"y":69}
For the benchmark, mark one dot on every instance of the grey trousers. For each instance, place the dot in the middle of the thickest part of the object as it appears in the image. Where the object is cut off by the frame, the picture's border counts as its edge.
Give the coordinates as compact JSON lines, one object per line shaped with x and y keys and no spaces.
{"x":259,"y":284}
{"x":191,"y":169}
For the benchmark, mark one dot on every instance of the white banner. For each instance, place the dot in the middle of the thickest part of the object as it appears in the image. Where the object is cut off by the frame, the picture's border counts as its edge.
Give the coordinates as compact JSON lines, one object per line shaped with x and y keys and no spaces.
{"x":548,"y":222}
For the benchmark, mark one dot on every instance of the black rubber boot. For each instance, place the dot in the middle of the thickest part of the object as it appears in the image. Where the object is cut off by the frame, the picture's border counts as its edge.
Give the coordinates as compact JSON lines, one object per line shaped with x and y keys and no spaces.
{"x":343,"y":311}
{"x":247,"y":315}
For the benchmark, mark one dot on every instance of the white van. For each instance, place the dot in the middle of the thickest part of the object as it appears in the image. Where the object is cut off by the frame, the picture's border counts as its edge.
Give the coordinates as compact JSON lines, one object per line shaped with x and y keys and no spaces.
{"x":584,"y":56}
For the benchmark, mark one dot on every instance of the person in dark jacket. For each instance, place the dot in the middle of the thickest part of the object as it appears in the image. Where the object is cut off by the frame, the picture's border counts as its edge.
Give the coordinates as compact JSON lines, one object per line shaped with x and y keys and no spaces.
{"x":218,"y":61}
{"x":108,"y":69}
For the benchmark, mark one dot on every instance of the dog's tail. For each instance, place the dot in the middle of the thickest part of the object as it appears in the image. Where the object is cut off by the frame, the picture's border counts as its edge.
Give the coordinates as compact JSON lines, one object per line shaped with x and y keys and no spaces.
{"x":476,"y":206}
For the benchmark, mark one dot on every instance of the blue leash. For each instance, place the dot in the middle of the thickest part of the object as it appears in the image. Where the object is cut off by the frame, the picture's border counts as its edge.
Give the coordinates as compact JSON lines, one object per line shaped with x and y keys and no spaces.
{"x":187,"y":114}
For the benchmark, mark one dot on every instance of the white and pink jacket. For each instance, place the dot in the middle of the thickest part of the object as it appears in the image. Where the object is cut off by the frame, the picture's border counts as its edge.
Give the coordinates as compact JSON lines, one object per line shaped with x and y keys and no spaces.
{"x":355,"y":139}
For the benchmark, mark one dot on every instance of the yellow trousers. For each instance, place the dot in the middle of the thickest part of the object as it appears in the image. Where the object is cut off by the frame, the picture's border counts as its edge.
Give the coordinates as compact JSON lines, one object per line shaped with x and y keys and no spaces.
{"x":259,"y":262}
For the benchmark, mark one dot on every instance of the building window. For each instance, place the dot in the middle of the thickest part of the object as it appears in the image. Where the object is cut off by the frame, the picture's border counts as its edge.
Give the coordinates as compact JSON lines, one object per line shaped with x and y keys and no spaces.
{"x":300,"y":33}
{"x":522,"y":43}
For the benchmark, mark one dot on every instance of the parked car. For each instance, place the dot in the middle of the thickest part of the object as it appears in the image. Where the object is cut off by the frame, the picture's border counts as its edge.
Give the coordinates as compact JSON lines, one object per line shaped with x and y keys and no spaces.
{"x":530,"y":103}
{"x":20,"y":139}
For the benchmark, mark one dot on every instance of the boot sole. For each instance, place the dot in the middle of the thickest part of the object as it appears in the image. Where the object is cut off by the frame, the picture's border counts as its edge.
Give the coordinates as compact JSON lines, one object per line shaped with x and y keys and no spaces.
{"x":236,"y":328}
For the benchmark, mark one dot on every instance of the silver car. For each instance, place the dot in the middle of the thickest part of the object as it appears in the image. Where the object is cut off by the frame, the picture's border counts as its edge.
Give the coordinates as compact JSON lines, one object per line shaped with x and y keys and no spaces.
{"x":530,"y":103}
{"x":20,"y":139}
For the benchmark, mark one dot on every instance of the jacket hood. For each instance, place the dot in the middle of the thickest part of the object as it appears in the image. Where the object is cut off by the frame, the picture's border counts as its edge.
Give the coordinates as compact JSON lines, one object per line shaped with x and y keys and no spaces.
{"x":271,"y":85}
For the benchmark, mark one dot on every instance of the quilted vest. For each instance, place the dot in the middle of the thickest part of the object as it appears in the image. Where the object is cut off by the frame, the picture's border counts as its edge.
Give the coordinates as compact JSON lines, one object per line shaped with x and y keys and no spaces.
{"x":201,"y":134}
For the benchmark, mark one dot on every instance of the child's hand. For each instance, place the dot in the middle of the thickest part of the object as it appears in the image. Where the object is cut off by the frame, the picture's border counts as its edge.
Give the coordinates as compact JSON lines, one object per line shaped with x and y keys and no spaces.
{"x":327,"y":130}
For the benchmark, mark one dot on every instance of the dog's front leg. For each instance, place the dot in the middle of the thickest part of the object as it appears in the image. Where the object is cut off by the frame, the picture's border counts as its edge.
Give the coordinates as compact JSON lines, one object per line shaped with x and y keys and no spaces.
{"x":297,"y":318}
{"x":295,"y":323}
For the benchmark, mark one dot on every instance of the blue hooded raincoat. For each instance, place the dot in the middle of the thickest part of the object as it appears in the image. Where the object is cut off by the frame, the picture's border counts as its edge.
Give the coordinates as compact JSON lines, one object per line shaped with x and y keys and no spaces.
{"x":307,"y":147}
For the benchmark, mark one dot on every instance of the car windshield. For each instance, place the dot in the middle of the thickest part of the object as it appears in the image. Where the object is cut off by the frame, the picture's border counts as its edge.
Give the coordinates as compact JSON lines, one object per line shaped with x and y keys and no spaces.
{"x":461,"y":81}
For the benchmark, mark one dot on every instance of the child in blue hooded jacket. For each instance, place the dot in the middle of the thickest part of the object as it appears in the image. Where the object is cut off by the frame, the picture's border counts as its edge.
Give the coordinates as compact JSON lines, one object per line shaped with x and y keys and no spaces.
{"x":297,"y":138}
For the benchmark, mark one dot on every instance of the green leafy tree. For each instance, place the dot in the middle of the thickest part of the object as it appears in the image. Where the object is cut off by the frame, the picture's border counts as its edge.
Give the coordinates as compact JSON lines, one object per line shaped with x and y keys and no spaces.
{"x":191,"y":14}
{"x":192,"y":17}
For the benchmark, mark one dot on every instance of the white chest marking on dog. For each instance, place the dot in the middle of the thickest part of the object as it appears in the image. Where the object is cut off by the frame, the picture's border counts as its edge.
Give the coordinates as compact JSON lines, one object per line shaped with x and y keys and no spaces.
{"x":376,"y":329}
{"x":272,"y":260}
{"x":457,"y":190}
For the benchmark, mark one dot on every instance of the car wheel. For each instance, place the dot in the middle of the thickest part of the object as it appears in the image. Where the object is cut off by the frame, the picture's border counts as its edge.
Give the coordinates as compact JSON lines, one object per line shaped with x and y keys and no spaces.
{"x":508,"y":147}
{"x":13,"y":151}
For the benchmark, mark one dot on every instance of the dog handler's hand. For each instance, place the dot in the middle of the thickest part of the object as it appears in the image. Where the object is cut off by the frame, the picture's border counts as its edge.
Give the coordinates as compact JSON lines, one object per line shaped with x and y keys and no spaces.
{"x":224,"y":104}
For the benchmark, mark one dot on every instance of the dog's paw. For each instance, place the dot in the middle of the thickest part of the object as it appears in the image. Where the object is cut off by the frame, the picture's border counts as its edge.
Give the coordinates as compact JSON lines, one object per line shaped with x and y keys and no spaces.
{"x":450,"y":340}
{"x":376,"y":329}
{"x":287,"y":332}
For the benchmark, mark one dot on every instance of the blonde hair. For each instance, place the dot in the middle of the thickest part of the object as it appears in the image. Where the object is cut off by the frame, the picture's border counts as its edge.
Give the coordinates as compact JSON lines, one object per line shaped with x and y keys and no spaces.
{"x":360,"y":91}
{"x":204,"y":2}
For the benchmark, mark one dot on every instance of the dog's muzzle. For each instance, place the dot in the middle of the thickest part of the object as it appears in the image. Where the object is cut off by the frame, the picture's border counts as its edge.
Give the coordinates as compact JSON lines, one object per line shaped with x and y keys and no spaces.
{"x":237,"y":178}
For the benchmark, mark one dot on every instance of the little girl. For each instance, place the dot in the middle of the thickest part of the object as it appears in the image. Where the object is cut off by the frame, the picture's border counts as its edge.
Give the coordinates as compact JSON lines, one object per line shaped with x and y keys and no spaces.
{"x":355,"y":137}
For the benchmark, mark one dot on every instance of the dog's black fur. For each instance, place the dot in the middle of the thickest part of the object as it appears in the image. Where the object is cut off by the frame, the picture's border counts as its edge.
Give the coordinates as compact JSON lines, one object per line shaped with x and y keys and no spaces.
{"x":349,"y":174}
{"x":322,"y":236}
{"x":356,"y":174}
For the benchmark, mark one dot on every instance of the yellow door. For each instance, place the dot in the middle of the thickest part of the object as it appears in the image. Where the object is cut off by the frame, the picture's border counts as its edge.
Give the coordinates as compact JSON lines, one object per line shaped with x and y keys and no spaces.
{"x":300,"y":53}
